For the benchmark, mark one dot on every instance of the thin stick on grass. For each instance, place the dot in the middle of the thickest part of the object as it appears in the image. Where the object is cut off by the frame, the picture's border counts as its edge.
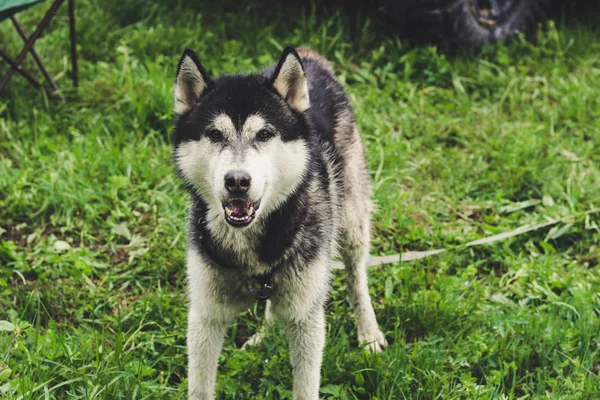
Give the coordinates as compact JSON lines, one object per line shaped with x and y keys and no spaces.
{"x":417,"y":255}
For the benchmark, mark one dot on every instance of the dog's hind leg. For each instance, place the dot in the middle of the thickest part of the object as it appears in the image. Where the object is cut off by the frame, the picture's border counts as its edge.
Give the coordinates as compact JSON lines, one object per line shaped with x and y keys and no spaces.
{"x":258,"y":336}
{"x":355,"y":253}
{"x":355,"y":244}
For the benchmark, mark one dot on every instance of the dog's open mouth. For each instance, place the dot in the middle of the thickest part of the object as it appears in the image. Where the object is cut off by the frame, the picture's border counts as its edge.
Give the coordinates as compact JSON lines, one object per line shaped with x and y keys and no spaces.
{"x":240,"y":212}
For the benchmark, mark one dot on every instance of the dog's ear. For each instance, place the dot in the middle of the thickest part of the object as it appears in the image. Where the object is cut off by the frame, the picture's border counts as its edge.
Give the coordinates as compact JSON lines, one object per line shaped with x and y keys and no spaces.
{"x":191,"y":81}
{"x":290,"y":80}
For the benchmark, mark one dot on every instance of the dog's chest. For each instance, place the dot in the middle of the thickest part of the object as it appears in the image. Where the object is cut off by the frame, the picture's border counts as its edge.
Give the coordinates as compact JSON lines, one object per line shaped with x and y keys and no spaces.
{"x":236,"y":286}
{"x":239,"y":250}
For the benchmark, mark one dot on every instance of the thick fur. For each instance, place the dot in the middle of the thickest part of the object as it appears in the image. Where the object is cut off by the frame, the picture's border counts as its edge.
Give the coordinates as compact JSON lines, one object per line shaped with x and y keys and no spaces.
{"x":311,"y":180}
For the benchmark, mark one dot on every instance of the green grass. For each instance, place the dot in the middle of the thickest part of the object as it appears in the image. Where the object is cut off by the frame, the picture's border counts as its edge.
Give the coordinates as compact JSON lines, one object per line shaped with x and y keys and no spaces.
{"x":92,"y":238}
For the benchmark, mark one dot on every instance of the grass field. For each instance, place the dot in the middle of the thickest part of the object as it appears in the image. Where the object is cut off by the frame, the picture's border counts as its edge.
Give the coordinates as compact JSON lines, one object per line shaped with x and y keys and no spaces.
{"x":92,"y":238}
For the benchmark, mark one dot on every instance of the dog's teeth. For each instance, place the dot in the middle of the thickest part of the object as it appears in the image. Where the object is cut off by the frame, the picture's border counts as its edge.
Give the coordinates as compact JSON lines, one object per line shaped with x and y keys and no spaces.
{"x":228,"y":211}
{"x":250,"y":211}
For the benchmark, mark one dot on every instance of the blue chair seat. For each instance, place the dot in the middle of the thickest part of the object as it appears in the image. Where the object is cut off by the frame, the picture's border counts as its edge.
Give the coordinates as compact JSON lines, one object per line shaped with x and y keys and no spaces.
{"x":8,"y":8}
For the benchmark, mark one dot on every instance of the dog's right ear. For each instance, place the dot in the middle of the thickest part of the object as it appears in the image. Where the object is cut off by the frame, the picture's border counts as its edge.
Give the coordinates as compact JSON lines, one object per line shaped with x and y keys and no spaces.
{"x":191,"y":81}
{"x":289,"y":79}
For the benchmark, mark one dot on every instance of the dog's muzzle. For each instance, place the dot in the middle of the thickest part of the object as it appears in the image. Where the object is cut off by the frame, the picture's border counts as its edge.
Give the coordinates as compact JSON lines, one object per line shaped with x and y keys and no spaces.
{"x":240,"y":212}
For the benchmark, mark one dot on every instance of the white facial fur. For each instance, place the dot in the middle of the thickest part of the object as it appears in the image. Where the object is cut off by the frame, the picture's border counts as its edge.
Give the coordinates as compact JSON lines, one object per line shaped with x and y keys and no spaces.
{"x":276,"y":167}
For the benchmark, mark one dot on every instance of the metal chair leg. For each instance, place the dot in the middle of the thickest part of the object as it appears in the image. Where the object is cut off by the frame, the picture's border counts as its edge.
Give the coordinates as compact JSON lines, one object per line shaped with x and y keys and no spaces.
{"x":19,"y":60}
{"x":21,"y":70}
{"x":39,"y":62}
{"x":74,"y":66}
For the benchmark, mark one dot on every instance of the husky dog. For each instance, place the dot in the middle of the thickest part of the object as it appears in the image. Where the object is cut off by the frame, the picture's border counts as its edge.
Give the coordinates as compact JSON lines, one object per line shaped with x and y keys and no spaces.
{"x":275,"y":168}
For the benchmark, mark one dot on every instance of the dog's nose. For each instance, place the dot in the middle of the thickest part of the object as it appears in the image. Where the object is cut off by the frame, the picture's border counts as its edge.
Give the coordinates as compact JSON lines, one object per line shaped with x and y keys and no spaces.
{"x":237,"y":182}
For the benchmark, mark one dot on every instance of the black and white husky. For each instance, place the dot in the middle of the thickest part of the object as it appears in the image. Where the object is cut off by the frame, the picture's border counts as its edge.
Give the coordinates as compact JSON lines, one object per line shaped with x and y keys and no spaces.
{"x":279,"y":186}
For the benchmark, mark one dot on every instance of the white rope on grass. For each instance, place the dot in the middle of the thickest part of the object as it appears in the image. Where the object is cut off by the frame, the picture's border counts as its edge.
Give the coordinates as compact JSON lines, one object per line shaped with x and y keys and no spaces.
{"x":417,"y":255}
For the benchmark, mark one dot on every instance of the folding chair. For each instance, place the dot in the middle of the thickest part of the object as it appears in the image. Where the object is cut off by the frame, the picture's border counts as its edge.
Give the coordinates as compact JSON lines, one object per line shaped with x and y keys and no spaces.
{"x":8,"y":9}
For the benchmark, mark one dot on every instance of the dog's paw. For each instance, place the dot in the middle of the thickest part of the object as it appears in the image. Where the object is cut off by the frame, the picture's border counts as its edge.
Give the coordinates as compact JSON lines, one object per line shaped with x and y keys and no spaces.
{"x":254,"y":340}
{"x":373,"y":341}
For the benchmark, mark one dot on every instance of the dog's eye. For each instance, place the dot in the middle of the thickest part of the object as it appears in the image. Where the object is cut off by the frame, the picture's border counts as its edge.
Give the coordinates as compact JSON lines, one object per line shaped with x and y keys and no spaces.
{"x":215,"y":135}
{"x":263,"y":135}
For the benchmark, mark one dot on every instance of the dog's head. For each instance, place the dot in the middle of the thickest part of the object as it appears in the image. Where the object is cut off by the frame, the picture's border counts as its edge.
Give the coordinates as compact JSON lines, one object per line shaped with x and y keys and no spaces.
{"x":241,"y":141}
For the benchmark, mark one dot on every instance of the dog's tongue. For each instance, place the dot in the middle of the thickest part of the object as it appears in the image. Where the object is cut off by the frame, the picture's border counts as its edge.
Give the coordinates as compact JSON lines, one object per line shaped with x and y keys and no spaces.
{"x":239,"y":207}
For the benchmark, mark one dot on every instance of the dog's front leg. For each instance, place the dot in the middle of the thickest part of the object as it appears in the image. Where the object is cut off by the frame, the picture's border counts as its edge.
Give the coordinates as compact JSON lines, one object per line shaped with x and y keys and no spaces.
{"x":307,"y":338}
{"x":204,"y":339}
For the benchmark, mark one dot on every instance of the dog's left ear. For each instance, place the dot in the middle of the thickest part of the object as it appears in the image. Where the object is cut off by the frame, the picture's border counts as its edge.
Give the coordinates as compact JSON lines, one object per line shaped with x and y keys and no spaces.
{"x":290,"y":80}
{"x":191,"y":81}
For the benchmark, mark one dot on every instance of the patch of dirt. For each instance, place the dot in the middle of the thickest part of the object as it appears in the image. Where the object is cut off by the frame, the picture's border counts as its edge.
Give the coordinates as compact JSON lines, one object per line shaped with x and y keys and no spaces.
{"x":472,"y":212}
{"x":14,"y":233}
{"x":498,"y":268}
{"x":591,"y":259}
{"x":121,"y":256}
{"x":243,"y":333}
{"x":18,"y":234}
{"x":450,"y":139}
